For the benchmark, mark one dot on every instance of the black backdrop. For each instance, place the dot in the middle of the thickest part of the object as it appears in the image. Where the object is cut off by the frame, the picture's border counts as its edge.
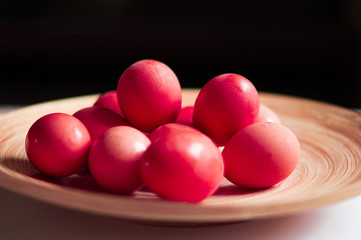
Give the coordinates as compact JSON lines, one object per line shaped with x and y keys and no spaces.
{"x":54,"y":49}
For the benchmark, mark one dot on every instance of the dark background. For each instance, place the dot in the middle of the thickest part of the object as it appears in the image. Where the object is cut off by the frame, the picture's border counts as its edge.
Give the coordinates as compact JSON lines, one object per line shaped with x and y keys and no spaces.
{"x":55,"y":49}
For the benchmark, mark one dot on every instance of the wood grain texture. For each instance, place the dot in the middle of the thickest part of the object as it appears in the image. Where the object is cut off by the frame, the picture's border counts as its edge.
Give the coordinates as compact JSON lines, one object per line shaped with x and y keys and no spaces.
{"x":329,"y":169}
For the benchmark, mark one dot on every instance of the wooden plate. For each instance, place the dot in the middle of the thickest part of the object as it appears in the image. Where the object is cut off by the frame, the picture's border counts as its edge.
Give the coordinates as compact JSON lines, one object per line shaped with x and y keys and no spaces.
{"x":329,"y":169}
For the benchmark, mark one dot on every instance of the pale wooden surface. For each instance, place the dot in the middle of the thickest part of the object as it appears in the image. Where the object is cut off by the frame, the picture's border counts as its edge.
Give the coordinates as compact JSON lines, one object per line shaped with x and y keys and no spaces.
{"x":329,"y":170}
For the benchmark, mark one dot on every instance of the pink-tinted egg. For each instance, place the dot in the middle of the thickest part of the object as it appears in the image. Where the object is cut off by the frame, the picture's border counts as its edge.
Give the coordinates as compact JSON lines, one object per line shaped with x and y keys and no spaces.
{"x":181,"y":164}
{"x":114,"y":159}
{"x":99,"y":119}
{"x":149,"y":95}
{"x":266,"y":114}
{"x":261,"y":155}
{"x":224,"y":105}
{"x":57,"y":144}
{"x":186,"y":116}
{"x":109,"y":100}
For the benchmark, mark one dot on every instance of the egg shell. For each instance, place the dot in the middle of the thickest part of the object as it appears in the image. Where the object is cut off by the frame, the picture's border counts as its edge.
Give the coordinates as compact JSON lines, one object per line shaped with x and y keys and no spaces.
{"x":149,"y":94}
{"x":261,"y":155}
{"x":57,"y":144}
{"x":98,"y":120}
{"x":114,"y":159}
{"x":182,"y":164}
{"x":266,"y":114}
{"x":109,"y":100}
{"x":224,"y":105}
{"x":186,"y":116}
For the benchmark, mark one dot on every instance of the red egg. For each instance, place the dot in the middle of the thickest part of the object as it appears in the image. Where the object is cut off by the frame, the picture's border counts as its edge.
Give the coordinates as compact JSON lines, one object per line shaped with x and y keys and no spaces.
{"x":226,"y":104}
{"x":186,"y":116}
{"x":261,"y":155}
{"x":57,"y":144}
{"x":149,"y":95}
{"x":114,"y":159}
{"x":99,"y":119}
{"x":182,"y":164}
{"x":109,"y":100}
{"x":169,"y":128}
{"x":266,"y":115}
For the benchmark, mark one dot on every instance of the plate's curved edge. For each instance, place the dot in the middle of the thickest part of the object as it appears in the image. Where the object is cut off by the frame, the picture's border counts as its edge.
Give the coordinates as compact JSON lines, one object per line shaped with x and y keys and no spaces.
{"x":164,"y":220}
{"x":170,"y":220}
